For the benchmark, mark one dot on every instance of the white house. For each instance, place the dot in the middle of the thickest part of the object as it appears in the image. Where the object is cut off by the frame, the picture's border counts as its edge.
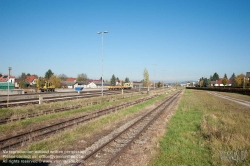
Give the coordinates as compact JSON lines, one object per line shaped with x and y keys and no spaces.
{"x":5,"y":78}
{"x":84,"y":85}
{"x":91,"y":85}
{"x":219,"y":82}
{"x":31,"y":80}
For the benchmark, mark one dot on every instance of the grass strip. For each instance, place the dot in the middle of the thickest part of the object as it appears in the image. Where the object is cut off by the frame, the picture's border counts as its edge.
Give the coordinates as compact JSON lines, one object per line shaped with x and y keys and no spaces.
{"x":206,"y":131}
{"x":71,"y":138}
{"x":181,"y":145}
{"x":39,"y":119}
{"x":19,"y":111}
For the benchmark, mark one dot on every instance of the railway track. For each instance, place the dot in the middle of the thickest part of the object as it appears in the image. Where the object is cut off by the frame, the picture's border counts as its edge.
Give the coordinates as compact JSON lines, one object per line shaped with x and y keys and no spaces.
{"x":43,"y":132}
{"x":21,"y":102}
{"x":106,"y":151}
{"x":44,"y":112}
{"x":9,"y":119}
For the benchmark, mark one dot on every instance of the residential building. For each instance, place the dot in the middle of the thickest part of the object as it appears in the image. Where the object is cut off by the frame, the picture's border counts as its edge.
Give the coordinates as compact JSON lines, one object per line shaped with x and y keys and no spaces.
{"x":118,"y":82}
{"x":31,"y":80}
{"x":70,"y":79}
{"x":16,"y":83}
{"x":137,"y":84}
{"x":248,"y":75}
{"x":218,"y":83}
{"x":5,"y":78}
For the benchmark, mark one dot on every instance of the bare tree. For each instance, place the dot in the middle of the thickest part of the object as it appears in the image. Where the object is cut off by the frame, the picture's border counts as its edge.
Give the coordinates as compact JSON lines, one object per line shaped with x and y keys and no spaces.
{"x":63,"y":77}
{"x":82,"y":77}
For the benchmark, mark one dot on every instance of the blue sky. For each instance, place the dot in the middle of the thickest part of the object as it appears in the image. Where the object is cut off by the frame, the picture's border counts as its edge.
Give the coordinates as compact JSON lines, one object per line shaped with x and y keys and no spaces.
{"x":187,"y":39}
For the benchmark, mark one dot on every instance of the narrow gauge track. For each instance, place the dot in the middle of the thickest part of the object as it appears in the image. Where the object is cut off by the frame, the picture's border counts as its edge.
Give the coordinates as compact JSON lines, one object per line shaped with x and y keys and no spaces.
{"x":41,"y":133}
{"x":12,"y":103}
{"x":110,"y":150}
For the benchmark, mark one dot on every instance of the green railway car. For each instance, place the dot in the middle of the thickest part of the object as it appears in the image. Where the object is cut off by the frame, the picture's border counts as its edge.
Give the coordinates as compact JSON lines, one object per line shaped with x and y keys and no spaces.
{"x":4,"y":85}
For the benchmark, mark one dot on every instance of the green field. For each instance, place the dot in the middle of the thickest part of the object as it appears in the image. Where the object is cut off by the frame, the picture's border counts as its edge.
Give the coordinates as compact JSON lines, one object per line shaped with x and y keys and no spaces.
{"x":206,"y":130}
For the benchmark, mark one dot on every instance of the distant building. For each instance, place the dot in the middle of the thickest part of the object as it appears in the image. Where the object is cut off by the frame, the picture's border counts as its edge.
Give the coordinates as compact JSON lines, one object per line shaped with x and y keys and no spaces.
{"x":248,"y":75}
{"x":69,"y":83}
{"x":31,"y":80}
{"x":218,"y":83}
{"x":136,"y":84}
{"x":70,"y":79}
{"x":118,"y":82}
{"x":5,"y":78}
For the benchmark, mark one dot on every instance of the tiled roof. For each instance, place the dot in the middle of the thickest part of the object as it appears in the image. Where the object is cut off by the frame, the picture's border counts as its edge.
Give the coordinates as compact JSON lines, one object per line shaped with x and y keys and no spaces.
{"x":90,"y":80}
{"x":70,"y":79}
{"x":4,"y":78}
{"x":220,"y":81}
{"x":30,"y":78}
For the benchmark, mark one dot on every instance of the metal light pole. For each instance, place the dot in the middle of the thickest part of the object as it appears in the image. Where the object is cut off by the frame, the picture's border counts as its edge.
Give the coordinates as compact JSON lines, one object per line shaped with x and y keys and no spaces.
{"x":154,"y":75}
{"x":102,"y":56}
{"x":8,"y":87}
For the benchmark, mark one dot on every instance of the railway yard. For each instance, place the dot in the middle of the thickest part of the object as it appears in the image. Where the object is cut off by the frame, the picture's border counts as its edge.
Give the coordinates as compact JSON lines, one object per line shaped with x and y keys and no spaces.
{"x":23,"y":128}
{"x":88,"y":129}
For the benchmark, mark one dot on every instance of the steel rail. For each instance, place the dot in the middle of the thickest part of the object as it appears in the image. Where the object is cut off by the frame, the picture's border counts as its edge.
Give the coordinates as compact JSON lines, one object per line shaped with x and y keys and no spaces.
{"x":8,"y":120}
{"x":56,"y":98}
{"x":16,"y":140}
{"x":169,"y":100}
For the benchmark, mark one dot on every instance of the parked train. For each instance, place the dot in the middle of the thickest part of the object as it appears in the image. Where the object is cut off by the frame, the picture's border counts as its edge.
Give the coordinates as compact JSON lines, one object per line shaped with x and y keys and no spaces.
{"x":120,"y":87}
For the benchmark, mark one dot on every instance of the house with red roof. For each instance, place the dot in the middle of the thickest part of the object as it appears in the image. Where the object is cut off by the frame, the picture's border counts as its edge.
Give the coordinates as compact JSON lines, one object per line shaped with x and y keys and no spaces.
{"x":70,"y":79}
{"x":31,"y":80}
{"x":219,"y":83}
{"x":6,"y":78}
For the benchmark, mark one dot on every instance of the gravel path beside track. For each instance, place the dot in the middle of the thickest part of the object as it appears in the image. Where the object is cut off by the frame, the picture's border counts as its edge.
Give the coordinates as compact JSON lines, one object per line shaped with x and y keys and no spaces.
{"x":242,"y":102}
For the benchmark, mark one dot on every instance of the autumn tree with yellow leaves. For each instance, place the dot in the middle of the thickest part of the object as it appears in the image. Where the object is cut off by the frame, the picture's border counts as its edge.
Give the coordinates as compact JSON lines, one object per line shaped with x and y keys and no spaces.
{"x":239,"y":80}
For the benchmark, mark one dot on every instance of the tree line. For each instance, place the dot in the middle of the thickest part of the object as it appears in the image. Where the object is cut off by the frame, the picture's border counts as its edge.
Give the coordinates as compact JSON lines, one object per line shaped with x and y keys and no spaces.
{"x":115,"y":79}
{"x":236,"y":81}
{"x":57,"y":79}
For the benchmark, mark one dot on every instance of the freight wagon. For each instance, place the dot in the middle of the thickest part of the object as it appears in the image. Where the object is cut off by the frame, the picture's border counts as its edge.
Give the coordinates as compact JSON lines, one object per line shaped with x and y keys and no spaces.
{"x":119,"y":87}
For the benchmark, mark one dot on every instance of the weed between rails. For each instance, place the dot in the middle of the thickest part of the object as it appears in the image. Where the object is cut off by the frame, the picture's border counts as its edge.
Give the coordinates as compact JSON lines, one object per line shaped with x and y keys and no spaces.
{"x":76,"y":137}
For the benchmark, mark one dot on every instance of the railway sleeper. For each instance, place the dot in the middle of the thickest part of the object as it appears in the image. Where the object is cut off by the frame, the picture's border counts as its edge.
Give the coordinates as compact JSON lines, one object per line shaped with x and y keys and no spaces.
{"x":52,"y":130}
